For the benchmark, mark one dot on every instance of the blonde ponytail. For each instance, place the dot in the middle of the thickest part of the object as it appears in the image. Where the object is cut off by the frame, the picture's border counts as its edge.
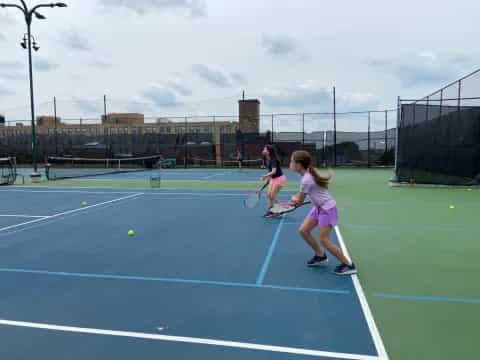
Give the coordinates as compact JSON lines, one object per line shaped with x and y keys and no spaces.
{"x":305,"y":160}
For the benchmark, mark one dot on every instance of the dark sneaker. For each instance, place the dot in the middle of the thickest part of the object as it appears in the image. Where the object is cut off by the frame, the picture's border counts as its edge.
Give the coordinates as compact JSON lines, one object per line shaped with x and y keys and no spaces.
{"x":344,"y":269}
{"x":317,"y":260}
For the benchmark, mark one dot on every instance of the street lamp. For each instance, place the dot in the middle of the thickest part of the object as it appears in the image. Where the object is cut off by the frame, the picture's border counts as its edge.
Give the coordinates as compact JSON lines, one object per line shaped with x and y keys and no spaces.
{"x":28,"y":44}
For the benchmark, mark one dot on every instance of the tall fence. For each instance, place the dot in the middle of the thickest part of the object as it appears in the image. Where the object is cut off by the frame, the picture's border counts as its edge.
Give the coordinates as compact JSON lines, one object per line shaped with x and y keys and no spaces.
{"x":362,"y":138}
{"x":439,"y":135}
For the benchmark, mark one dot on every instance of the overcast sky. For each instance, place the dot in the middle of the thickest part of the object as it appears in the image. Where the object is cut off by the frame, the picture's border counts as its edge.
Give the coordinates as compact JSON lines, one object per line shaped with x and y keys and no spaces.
{"x":177,"y":57}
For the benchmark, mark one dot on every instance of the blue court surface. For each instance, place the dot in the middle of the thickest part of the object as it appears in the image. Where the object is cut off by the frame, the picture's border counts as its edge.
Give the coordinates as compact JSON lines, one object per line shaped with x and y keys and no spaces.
{"x":203,"y":277}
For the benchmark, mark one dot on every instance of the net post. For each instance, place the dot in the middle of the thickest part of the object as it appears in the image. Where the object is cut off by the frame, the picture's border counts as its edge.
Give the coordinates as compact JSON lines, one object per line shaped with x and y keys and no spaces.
{"x":399,"y":111}
{"x":185,"y":145}
{"x":272,"y":140}
{"x":441,"y":101}
{"x":55,"y":123}
{"x":303,"y":131}
{"x":386,"y":131}
{"x":459,"y":101}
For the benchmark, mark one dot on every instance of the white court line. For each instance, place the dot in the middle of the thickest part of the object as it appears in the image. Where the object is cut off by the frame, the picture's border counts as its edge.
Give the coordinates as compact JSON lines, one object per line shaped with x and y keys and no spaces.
{"x":117,"y":190}
{"x":212,"y":176}
{"x":69,"y":191}
{"x":240,"y":193}
{"x":69,"y":212}
{"x":364,"y":304}
{"x":189,"y":340}
{"x":23,"y":216}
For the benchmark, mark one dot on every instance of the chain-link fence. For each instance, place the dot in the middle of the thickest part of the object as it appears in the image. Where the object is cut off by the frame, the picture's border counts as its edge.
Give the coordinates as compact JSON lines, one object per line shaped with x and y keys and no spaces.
{"x":439,"y":135}
{"x":365,"y":138}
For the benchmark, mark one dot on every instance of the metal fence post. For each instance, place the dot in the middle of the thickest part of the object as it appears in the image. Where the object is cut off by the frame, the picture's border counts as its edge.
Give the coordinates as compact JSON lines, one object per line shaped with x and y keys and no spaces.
{"x":368,"y":141}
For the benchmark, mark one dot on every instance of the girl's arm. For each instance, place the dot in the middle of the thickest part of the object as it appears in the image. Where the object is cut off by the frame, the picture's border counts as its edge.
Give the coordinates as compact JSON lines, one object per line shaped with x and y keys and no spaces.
{"x":299,"y":198}
{"x":270,"y":174}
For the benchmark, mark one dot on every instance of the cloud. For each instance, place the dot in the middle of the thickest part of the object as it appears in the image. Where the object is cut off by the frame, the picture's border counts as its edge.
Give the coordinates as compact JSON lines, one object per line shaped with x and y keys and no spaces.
{"x":300,"y":95}
{"x":196,"y":8}
{"x":282,"y":45}
{"x":425,"y":68}
{"x":90,"y":107}
{"x":160,"y":96}
{"x":239,"y":78}
{"x":75,"y":41}
{"x":2,"y":37}
{"x":99,"y":64}
{"x":5,"y":92}
{"x":10,"y":65}
{"x":44,"y":65}
{"x":214,"y":77}
{"x":310,"y":96}
{"x":180,"y":88}
{"x":12,"y":75}
{"x":11,"y":70}
{"x":6,"y":19}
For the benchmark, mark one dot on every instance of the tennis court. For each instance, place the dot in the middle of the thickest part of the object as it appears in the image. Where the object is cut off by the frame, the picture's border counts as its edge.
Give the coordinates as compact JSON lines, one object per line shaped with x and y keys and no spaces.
{"x":77,"y":284}
{"x":204,"y":276}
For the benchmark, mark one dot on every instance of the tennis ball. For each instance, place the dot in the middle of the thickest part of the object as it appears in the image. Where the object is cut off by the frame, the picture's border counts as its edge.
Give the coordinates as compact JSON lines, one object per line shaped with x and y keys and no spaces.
{"x":451,"y":207}
{"x":84,"y":203}
{"x":469,"y":189}
{"x":131,"y":233}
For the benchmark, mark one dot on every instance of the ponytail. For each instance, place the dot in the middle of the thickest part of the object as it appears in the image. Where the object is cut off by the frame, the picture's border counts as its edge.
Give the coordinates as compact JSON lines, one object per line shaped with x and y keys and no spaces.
{"x":322,"y":181}
{"x":305,"y":160}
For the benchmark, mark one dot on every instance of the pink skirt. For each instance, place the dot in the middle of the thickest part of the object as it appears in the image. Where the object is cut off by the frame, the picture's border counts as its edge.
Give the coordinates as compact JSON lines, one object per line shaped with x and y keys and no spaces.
{"x":279,"y":181}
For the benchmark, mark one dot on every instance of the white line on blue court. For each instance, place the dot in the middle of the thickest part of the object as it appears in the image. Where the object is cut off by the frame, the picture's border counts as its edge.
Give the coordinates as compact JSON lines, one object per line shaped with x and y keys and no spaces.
{"x":73,"y":191}
{"x":69,"y":212}
{"x":266,"y":263}
{"x":212,"y":176}
{"x":173,"y":280}
{"x":185,"y":339}
{"x":23,"y":216}
{"x":50,"y":220}
{"x":377,"y":339}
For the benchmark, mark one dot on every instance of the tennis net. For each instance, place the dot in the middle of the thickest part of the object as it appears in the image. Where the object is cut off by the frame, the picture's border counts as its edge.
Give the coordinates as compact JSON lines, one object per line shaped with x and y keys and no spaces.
{"x":197,"y":162}
{"x":74,"y":167}
{"x":8,"y":171}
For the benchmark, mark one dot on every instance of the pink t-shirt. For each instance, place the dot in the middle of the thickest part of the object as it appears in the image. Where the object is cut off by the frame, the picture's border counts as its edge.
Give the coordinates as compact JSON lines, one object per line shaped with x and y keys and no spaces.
{"x":319,"y":196}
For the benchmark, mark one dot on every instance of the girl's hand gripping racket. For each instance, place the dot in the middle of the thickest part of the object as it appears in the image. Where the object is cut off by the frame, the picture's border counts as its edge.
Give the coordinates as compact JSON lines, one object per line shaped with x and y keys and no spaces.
{"x":253,"y":198}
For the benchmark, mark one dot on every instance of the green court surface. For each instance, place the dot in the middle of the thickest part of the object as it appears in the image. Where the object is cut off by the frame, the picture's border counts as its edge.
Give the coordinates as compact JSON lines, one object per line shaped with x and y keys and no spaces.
{"x":417,"y":257}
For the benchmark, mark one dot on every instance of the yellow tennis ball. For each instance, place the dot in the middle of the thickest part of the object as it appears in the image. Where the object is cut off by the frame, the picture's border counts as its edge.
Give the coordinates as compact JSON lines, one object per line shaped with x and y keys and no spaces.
{"x":84,"y":203}
{"x":469,"y":189}
{"x":131,"y":233}
{"x":451,"y":207}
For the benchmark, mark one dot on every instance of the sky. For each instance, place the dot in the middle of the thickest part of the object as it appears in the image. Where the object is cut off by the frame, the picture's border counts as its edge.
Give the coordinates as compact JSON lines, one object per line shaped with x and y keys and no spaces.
{"x":195,"y":57}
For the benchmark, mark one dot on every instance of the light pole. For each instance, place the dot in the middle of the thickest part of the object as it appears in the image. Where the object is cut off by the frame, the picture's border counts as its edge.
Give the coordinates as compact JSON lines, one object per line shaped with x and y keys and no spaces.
{"x":27,"y":44}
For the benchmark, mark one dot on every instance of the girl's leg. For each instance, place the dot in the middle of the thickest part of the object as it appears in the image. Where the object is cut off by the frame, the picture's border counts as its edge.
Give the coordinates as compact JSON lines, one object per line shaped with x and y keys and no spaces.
{"x":330,"y":246}
{"x":270,"y":196}
{"x":305,"y":231}
{"x":274,"y":193}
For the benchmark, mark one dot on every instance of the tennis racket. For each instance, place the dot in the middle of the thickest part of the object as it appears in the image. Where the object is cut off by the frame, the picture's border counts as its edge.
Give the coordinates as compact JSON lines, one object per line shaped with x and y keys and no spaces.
{"x":286,"y":207}
{"x":253,"y":199}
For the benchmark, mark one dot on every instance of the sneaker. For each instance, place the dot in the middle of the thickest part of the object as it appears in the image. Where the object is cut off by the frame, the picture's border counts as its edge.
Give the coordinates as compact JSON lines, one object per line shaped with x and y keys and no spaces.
{"x":317,"y":260}
{"x":344,"y":269}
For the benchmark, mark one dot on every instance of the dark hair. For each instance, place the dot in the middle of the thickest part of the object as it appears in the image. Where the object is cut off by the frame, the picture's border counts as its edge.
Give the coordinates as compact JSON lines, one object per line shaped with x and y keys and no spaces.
{"x":272,"y":153}
{"x":305,"y":160}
